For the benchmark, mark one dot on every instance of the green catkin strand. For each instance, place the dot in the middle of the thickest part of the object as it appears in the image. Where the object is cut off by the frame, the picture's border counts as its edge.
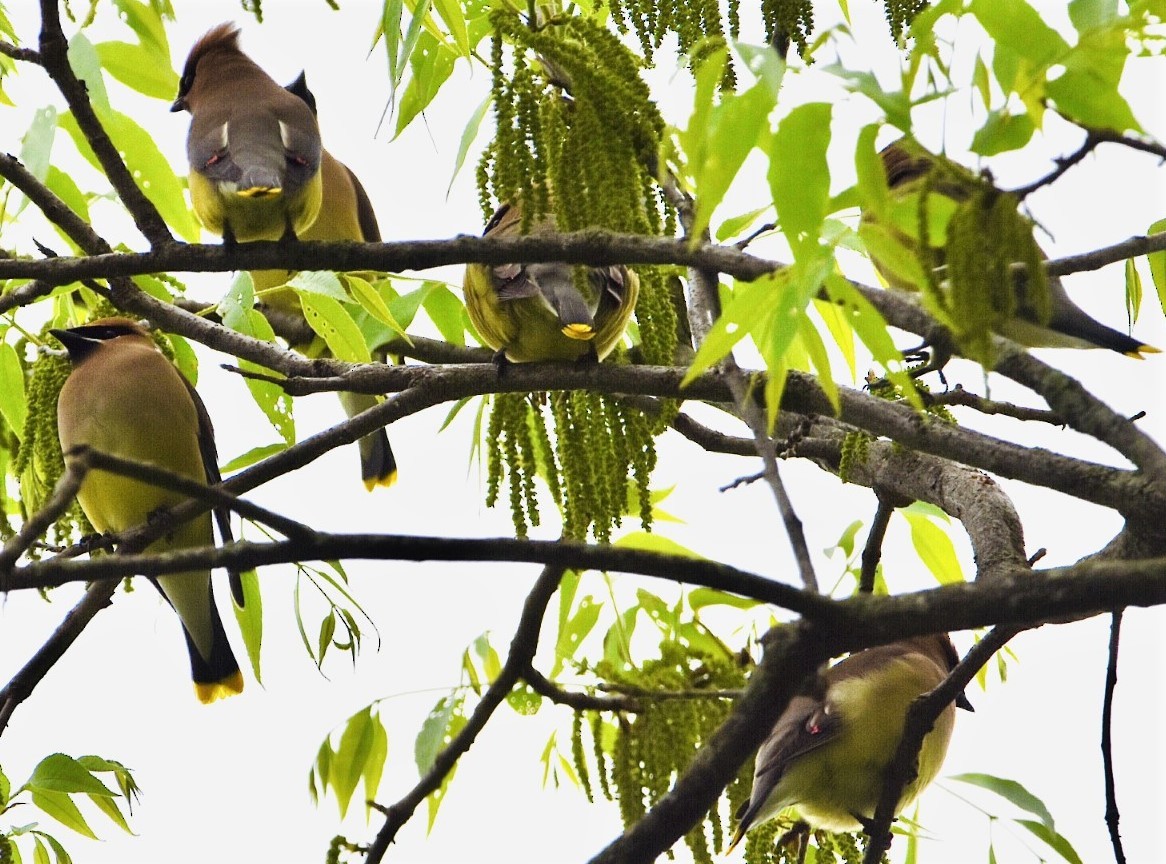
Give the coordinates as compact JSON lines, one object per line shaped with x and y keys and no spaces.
{"x":603,"y":764}
{"x":900,"y":14}
{"x":578,"y":758}
{"x":493,"y":453}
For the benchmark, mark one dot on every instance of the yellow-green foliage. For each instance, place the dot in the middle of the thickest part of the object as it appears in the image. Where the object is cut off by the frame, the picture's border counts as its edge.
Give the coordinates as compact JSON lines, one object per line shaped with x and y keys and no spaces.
{"x":639,"y":764}
{"x":984,"y":237}
{"x":587,"y":468}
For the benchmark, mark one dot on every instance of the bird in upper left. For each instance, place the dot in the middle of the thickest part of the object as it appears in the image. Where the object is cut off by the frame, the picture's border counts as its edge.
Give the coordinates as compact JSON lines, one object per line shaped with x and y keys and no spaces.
{"x":254,"y":148}
{"x":123,"y":397}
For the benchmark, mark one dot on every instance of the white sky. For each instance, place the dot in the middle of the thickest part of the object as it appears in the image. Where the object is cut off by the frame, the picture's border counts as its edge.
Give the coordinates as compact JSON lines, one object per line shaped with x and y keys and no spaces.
{"x":229,"y":782}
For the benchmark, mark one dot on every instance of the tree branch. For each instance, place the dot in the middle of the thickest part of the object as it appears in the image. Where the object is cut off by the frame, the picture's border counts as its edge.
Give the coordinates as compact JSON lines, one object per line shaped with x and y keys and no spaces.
{"x":522,"y":648}
{"x":1112,"y":814}
{"x":54,"y":52}
{"x":921,"y":716}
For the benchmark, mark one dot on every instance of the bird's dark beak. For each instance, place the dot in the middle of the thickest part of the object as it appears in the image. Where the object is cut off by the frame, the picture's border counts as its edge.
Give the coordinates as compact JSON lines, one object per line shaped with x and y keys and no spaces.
{"x":179,"y":104}
{"x":961,"y":701}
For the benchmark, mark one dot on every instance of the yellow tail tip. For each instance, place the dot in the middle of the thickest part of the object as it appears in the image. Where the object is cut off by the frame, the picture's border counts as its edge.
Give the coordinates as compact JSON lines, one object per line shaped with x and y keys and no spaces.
{"x":733,"y":843}
{"x":582,"y":332}
{"x":1143,"y":349}
{"x":216,"y":690}
{"x":386,"y":480}
{"x":260,"y":192}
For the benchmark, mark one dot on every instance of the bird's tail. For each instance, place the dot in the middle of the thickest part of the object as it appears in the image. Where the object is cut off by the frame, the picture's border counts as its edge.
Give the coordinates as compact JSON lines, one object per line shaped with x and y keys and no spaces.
{"x":378,"y":466}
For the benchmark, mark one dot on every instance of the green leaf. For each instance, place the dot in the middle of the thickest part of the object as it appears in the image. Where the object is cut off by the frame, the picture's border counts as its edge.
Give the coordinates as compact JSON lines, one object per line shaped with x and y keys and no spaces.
{"x":250,"y":619}
{"x":374,"y":764}
{"x":1019,"y":27}
{"x":469,"y":135}
{"x":574,"y":631}
{"x":982,"y":82}
{"x":87,"y":66}
{"x":145,"y":19}
{"x":348,"y":763}
{"x":323,"y":643}
{"x":322,"y":282}
{"x":149,"y":168}
{"x":1010,"y":791}
{"x":62,"y":856}
{"x":12,"y":401}
{"x":655,"y":543}
{"x":255,"y":454}
{"x":524,"y":700}
{"x":443,"y":723}
{"x":64,"y":187}
{"x":109,"y":807}
{"x":1059,"y":844}
{"x":62,"y":808}
{"x":139,"y":67}
{"x":372,"y":302}
{"x":5,"y":790}
{"x":61,"y":773}
{"x":431,"y":65}
{"x":331,"y":321}
{"x":446,"y":312}
{"x":1157,"y":262}
{"x":450,"y":12}
{"x":36,"y":146}
{"x":934,"y":548}
{"x":491,"y":663}
{"x":700,"y":598}
{"x":237,"y":312}
{"x":895,"y":103}
{"x":1133,"y":291}
{"x":1003,"y":131}
{"x":1091,"y":14}
{"x":736,"y":225}
{"x":799,"y":177}
{"x":735,"y":127}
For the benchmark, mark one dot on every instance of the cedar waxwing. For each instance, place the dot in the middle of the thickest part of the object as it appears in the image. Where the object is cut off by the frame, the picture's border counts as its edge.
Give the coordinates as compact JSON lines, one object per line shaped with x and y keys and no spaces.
{"x":125,"y":398}
{"x":345,"y":214}
{"x":908,"y":166}
{"x":533,"y":312}
{"x":254,"y":148}
{"x":827,"y":752}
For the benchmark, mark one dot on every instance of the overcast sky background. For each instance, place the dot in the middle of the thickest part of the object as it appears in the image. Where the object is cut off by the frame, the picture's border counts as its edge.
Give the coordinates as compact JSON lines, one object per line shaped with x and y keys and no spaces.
{"x":229,"y":782}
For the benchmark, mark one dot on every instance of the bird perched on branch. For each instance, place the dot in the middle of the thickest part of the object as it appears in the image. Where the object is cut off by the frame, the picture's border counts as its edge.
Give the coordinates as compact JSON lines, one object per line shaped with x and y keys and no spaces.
{"x":254,"y":148}
{"x":1036,"y":312}
{"x":534,"y":312}
{"x":346,"y":213}
{"x":123,"y":397}
{"x":828,"y":751}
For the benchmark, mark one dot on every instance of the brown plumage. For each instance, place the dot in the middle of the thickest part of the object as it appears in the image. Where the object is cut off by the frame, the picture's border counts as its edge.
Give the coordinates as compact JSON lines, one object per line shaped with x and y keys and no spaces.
{"x":828,"y":751}
{"x":254,"y":148}
{"x":125,"y":398}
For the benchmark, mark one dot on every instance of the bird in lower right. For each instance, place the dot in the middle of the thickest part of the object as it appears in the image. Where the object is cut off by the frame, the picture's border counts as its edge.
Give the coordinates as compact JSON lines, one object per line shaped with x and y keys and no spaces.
{"x":534,"y":312}
{"x":827,"y":753}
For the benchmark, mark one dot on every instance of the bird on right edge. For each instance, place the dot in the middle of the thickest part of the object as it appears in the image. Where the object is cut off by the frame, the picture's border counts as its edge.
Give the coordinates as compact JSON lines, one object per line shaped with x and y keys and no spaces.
{"x":533,"y":312}
{"x":828,"y":751}
{"x":908,"y":167}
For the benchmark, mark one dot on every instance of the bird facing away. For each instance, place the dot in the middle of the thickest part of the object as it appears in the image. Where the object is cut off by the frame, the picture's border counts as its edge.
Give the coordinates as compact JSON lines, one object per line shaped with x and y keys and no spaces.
{"x":827,"y":752}
{"x":533,"y":312}
{"x":125,"y":398}
{"x":346,"y":213}
{"x":909,"y":168}
{"x":254,"y":148}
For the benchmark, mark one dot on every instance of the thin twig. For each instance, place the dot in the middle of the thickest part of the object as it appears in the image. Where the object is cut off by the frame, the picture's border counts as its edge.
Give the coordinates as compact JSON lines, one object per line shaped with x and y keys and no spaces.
{"x":959,"y":396}
{"x":62,"y":496}
{"x":28,"y":55}
{"x":1112,"y":815}
{"x":872,"y":552}
{"x":522,"y":648}
{"x":542,"y":685}
{"x":921,"y":716}
{"x":1064,"y":163}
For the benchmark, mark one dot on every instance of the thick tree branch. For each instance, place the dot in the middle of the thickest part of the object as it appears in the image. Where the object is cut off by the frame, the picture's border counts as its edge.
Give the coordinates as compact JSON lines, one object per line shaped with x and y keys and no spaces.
{"x":522,"y":648}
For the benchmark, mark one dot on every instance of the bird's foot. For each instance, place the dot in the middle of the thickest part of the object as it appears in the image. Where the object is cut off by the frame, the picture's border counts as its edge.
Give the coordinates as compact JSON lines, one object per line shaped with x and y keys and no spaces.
{"x":868,"y":828}
{"x":229,"y":239}
{"x":500,"y":361}
{"x":796,"y":839}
